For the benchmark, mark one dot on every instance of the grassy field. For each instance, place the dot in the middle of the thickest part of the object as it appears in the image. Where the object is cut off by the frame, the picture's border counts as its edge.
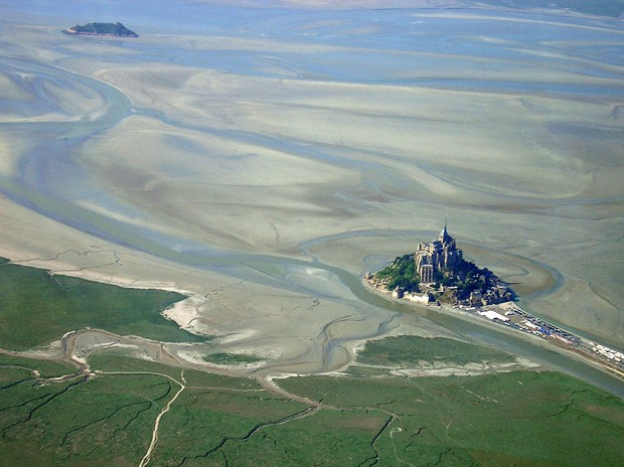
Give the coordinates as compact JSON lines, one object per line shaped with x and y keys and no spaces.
{"x":519,"y":418}
{"x":410,"y":349}
{"x":37,"y":308}
{"x":118,"y":362}
{"x":207,"y":424}
{"x":501,"y":419}
{"x":105,"y":421}
{"x":215,"y":421}
{"x":328,"y":438}
{"x":222,"y":358}
{"x":47,"y":369}
{"x":108,"y":420}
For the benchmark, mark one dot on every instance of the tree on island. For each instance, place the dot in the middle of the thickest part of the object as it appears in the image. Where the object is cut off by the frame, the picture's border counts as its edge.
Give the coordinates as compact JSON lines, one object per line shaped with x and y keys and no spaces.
{"x":401,"y":273}
{"x":454,"y":281}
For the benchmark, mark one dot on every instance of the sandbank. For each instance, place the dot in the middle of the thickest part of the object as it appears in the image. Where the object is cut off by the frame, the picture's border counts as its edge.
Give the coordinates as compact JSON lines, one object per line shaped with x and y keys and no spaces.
{"x":341,"y":129}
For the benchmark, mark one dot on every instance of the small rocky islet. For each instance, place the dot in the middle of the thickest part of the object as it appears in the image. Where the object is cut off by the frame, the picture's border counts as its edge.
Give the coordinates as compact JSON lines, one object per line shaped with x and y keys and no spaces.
{"x":115,"y":29}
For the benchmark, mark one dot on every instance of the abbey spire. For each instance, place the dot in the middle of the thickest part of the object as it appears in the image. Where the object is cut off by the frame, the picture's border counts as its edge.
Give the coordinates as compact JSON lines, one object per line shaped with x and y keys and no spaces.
{"x":445,"y":238}
{"x":432,"y":258}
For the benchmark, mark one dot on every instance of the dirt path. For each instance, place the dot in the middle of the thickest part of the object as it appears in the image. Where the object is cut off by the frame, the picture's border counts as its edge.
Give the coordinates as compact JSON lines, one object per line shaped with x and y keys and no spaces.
{"x":150,"y":449}
{"x":268,"y":384}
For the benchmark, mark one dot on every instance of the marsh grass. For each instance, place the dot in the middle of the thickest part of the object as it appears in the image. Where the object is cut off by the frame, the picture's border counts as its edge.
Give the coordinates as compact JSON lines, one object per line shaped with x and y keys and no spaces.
{"x":102,"y":421}
{"x":329,"y":438}
{"x":516,"y":418}
{"x":37,"y":308}
{"x":412,"y":349}
{"x":208,"y":423}
{"x":113,"y":361}
{"x":46,"y":368}
{"x":222,"y":358}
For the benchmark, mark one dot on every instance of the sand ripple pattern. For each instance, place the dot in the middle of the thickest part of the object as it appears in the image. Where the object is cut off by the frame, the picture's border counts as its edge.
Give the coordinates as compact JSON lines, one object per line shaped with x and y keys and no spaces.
{"x":273,"y":159}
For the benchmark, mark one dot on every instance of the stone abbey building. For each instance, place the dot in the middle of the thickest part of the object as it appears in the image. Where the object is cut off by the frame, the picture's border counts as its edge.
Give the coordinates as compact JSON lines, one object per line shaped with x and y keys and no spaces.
{"x":436,"y":256}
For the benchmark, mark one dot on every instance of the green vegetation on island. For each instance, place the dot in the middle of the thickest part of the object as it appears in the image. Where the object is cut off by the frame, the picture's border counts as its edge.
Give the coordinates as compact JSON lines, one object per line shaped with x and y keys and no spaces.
{"x":439,"y":270}
{"x":401,"y":273}
{"x":37,"y":307}
{"x":101,"y":29}
{"x":459,"y":282}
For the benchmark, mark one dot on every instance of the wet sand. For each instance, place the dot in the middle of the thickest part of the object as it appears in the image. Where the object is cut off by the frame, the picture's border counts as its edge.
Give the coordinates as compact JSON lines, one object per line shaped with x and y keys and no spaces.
{"x":255,"y":168}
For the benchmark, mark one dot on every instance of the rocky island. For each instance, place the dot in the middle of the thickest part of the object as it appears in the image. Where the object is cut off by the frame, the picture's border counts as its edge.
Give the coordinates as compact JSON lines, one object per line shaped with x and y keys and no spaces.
{"x":437,"y":271}
{"x":115,"y":29}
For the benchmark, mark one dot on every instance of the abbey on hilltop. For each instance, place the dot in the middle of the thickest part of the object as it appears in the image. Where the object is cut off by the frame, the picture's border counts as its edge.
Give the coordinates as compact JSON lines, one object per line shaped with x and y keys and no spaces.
{"x":440,"y":255}
{"x":437,"y":271}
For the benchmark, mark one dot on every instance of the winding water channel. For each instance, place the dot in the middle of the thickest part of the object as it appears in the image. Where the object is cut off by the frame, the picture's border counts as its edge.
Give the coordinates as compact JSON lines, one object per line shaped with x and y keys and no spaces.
{"x":48,"y":180}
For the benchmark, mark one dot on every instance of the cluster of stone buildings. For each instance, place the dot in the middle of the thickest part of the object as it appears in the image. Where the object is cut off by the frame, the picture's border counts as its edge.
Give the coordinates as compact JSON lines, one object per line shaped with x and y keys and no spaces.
{"x":436,"y":256}
{"x":432,"y":259}
{"x":491,"y":296}
{"x":442,"y":263}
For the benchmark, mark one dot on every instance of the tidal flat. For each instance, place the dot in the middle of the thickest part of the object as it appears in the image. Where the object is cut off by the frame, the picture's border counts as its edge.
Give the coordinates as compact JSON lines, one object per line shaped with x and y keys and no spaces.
{"x":200,"y":161}
{"x":260,"y":160}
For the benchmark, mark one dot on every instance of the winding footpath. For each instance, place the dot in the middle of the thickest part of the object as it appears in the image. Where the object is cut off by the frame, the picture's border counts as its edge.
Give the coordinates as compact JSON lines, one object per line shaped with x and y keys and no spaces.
{"x":150,"y":449}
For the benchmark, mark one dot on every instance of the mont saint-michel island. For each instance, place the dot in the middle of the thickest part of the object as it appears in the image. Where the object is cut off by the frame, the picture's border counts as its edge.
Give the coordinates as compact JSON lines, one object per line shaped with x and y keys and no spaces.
{"x":115,"y":29}
{"x":437,"y":273}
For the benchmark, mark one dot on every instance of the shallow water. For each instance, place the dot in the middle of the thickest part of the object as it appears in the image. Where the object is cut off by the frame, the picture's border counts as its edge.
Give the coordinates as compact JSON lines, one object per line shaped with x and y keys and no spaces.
{"x":406,"y":48}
